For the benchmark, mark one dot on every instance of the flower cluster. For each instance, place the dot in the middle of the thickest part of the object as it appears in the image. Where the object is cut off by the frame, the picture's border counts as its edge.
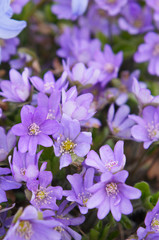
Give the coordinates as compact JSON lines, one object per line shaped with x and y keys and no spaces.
{"x":73,"y":90}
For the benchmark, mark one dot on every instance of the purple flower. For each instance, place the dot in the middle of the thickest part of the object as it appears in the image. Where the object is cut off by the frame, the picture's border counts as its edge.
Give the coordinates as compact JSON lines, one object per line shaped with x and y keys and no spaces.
{"x":147,"y":127}
{"x":8,"y":48}
{"x":77,"y":107}
{"x":52,"y":104}
{"x":69,"y":9}
{"x":113,"y":7}
{"x":108,"y":63}
{"x":64,"y":220}
{"x":6,"y":183}
{"x":83,"y":75}
{"x":152,"y":225}
{"x":5,"y":222}
{"x":77,"y":46}
{"x":71,"y":141}
{"x":109,"y":160}
{"x":34,"y":129}
{"x":18,"y":88}
{"x":155,"y":6}
{"x":17,"y":5}
{"x":97,"y":22}
{"x":49,"y":84}
{"x":28,"y":225}
{"x":7,"y":142}
{"x":119,"y":123}
{"x":80,"y":184}
{"x":149,"y":51}
{"x":24,"y":166}
{"x":143,"y":95}
{"x":44,"y":196}
{"x":135,"y":19}
{"x":112,"y":194}
{"x":127,"y":80}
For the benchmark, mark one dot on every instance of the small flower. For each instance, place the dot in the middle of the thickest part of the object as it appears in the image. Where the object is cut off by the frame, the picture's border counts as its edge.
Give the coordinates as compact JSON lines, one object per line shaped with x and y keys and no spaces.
{"x":113,"y":7}
{"x":52,"y":104}
{"x":135,"y":19}
{"x":18,"y":88}
{"x":44,"y":196}
{"x":7,"y":142}
{"x":6,"y":183}
{"x":77,"y":45}
{"x":149,"y":51}
{"x":17,"y":5}
{"x":152,"y":225}
{"x":109,"y":160}
{"x":71,"y":141}
{"x":69,"y":9}
{"x":119,"y":123}
{"x":147,"y":127}
{"x":77,"y":107}
{"x":143,"y":95}
{"x":64,"y":220}
{"x":108,"y":63}
{"x":34,"y":129}
{"x":24,"y":166}
{"x":27,"y":226}
{"x":80,"y":184}
{"x":82,"y":75}
{"x":8,"y":48}
{"x":112,"y":194}
{"x":49,"y":84}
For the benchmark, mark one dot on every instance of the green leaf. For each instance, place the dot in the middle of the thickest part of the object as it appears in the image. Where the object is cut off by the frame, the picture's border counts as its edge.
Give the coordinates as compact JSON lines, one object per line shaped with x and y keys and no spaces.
{"x":126,"y":223}
{"x":145,"y":189}
{"x":94,"y":234}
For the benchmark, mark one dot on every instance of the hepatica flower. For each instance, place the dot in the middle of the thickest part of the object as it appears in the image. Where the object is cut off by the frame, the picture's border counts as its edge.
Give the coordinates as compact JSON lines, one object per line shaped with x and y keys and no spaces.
{"x":48,"y":85}
{"x":108,"y":63}
{"x":112,"y":194}
{"x":109,"y":160}
{"x":71,"y":141}
{"x":43,"y":195}
{"x":18,"y":88}
{"x":135,"y":19}
{"x":34,"y":129}
{"x":8,"y":48}
{"x":6,"y":183}
{"x":80,"y":184}
{"x":7,"y":142}
{"x":77,"y":45}
{"x":119,"y":123}
{"x":17,"y":5}
{"x":69,"y":9}
{"x":64,"y":220}
{"x":149,"y":51}
{"x":113,"y":7}
{"x":147,"y":127}
{"x":24,"y":166}
{"x":151,"y":232}
{"x":77,"y":107}
{"x":28,"y":225}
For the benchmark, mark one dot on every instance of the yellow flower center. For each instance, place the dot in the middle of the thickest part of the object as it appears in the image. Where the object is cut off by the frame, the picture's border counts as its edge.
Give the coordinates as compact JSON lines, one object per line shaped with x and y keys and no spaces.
{"x":24,"y":230}
{"x":111,"y":1}
{"x":155,"y":223}
{"x":67,"y":146}
{"x":40,"y":195}
{"x":111,"y":189}
{"x":33,"y":129}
